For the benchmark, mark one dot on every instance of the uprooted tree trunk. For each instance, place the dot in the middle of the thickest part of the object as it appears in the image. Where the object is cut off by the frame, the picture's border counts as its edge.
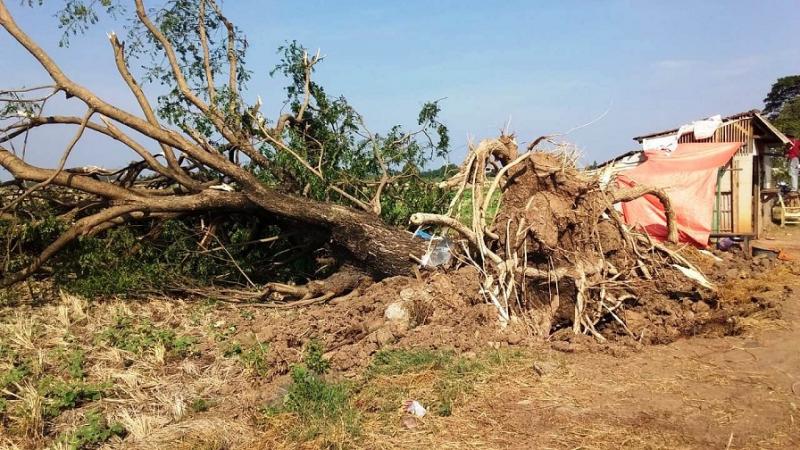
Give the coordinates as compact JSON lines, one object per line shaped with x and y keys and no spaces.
{"x":556,"y":253}
{"x":187,"y":156}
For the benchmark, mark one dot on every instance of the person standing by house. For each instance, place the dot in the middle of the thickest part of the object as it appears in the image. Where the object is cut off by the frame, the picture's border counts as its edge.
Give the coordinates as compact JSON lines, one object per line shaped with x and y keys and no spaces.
{"x":793,"y":155}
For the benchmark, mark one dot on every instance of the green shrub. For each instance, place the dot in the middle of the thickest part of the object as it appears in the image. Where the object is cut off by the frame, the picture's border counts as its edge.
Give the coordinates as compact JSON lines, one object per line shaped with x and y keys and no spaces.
{"x":136,"y":258}
{"x":201,"y":405}
{"x":255,"y":358}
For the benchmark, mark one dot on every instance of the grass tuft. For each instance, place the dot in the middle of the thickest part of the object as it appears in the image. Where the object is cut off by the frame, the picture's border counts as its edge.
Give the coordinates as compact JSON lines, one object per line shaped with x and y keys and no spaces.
{"x":398,"y":362}
{"x":323,"y":408}
{"x":95,"y":431}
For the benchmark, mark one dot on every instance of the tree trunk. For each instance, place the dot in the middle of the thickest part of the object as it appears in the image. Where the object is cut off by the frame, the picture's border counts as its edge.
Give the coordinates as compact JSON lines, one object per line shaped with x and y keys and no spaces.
{"x":381,"y":249}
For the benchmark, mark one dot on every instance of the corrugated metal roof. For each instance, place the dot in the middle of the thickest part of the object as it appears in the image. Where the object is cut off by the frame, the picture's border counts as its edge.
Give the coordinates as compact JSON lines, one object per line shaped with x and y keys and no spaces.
{"x":740,"y":115}
{"x":619,"y":157}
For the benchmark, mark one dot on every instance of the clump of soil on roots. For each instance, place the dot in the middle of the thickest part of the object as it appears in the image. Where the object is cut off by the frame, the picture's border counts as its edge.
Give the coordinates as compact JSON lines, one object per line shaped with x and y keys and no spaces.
{"x":558,"y":262}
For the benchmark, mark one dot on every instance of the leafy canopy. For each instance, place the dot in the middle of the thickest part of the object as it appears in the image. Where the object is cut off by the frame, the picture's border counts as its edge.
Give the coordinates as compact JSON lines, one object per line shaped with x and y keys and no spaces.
{"x":783,"y":91}
{"x":331,"y":136}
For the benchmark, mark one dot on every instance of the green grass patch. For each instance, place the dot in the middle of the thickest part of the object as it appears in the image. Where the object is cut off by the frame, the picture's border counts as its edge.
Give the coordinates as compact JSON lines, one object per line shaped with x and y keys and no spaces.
{"x":313,"y":398}
{"x":323,"y":407}
{"x":61,"y":395}
{"x":92,"y":433}
{"x":443,"y":379}
{"x":331,"y":413}
{"x":398,"y":362}
{"x":253,"y":358}
{"x":137,"y":336}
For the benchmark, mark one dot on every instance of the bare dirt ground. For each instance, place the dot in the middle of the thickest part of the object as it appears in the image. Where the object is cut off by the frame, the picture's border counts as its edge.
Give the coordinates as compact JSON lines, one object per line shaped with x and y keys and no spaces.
{"x":168,"y":373}
{"x":728,"y":392}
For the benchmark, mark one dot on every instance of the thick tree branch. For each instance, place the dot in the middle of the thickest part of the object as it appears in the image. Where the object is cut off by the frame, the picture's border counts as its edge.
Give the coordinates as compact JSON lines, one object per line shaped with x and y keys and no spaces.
{"x":626,"y":195}
{"x":135,"y":209}
{"x":113,"y":132}
{"x":24,"y":171}
{"x":61,"y":163}
{"x":78,"y":229}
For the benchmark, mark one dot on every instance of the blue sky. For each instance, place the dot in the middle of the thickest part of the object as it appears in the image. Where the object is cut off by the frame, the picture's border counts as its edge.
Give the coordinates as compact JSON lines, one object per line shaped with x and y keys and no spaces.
{"x":548,"y":66}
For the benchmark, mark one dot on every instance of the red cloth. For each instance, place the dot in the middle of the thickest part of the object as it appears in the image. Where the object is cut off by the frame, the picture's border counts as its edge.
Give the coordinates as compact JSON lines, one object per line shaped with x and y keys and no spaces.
{"x":794,"y":150}
{"x":689,"y":176}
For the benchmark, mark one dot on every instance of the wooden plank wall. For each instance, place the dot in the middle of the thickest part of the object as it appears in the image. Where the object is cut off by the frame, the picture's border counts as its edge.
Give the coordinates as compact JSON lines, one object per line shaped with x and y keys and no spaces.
{"x":740,"y":130}
{"x":725,"y":213}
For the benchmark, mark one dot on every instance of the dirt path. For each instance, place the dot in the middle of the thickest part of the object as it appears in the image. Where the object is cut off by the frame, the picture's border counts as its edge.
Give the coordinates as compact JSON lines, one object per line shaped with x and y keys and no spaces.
{"x":734,"y":392}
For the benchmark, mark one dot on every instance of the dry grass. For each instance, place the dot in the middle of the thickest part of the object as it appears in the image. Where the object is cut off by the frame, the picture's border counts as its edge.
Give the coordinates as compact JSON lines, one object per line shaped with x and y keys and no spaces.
{"x":146,"y":391}
{"x":27,"y":404}
{"x":205,"y":399}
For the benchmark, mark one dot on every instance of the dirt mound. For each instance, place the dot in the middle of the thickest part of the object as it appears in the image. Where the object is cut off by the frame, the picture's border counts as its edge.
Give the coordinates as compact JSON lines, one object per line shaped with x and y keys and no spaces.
{"x":445,"y":311}
{"x":435,"y":311}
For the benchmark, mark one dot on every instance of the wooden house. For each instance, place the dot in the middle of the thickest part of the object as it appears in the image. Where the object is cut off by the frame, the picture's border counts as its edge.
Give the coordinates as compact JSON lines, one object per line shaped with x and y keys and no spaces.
{"x":744,"y":190}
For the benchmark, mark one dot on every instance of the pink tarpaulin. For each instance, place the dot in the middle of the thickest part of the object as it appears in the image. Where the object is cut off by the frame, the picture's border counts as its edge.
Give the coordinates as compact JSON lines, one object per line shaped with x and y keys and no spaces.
{"x":689,"y":176}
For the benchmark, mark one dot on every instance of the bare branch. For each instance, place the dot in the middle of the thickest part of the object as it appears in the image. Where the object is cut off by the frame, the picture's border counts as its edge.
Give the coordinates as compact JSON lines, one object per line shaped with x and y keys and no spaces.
{"x":308,"y":67}
{"x":233,"y":78}
{"x":61,"y":163}
{"x":151,"y":161}
{"x":169,"y":51}
{"x":201,"y":29}
{"x":144,"y":104}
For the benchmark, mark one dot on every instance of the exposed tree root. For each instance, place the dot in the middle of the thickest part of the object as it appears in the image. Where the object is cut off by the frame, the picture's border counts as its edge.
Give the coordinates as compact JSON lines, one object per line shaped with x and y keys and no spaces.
{"x":556,"y":254}
{"x":343,"y":284}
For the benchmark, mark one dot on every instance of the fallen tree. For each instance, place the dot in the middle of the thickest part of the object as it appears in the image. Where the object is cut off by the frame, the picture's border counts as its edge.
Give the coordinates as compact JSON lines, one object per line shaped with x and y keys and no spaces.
{"x":215,"y":152}
{"x":555,"y":254}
